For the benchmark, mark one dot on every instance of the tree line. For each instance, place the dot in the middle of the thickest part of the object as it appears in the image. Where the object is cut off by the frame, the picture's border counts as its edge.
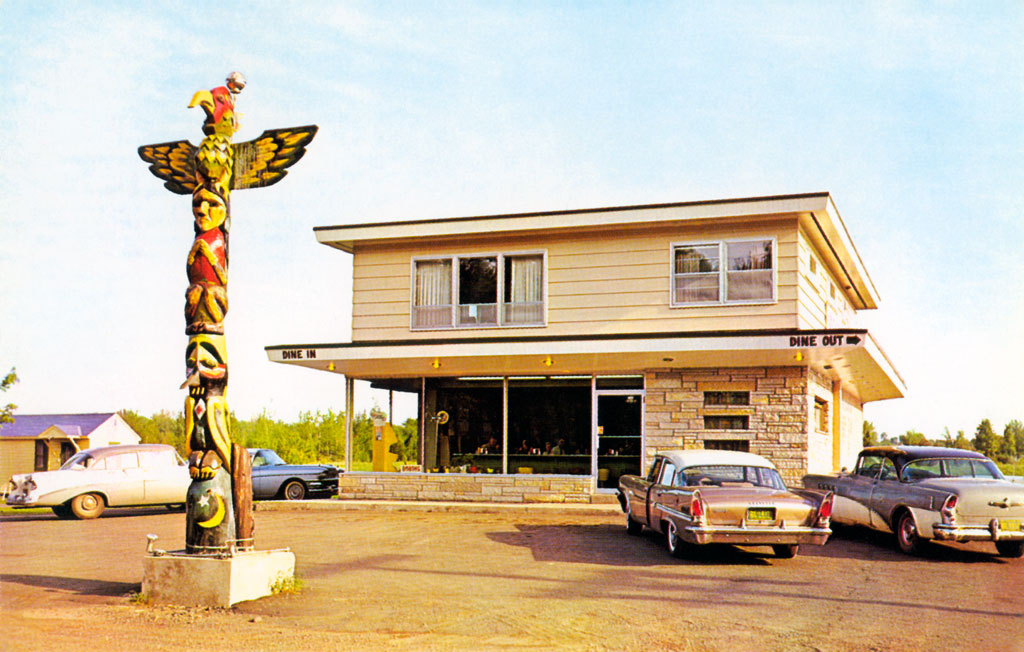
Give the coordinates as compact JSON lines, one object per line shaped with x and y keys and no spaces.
{"x":314,"y":437}
{"x":1007,"y":448}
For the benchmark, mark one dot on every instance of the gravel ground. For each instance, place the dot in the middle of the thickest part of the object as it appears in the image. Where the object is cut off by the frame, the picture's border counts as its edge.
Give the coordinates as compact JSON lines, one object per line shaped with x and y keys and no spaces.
{"x":381,"y":578}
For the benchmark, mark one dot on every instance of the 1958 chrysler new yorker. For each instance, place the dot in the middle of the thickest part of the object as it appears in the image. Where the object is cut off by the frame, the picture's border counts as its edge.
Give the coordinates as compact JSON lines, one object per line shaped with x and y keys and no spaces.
{"x":928,"y":492}
{"x":711,"y":496}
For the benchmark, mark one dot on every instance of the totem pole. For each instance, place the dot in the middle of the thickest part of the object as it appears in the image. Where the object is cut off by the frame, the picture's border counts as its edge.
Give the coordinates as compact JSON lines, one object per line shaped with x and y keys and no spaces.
{"x":219,"y":503}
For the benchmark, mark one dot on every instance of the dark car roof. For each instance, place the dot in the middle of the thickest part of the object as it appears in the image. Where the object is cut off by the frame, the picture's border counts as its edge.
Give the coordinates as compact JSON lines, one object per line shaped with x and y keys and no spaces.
{"x":918,"y":452}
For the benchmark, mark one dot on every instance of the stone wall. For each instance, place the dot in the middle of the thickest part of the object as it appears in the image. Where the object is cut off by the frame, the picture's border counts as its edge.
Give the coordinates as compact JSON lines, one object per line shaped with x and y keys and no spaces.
{"x":777,"y":412}
{"x":470,"y":487}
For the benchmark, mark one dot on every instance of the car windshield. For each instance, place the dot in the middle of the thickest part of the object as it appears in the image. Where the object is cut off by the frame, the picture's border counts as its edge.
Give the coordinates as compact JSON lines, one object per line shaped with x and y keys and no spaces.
{"x":82,"y":460}
{"x":953,"y":467}
{"x":723,"y":475}
{"x":267,"y":458}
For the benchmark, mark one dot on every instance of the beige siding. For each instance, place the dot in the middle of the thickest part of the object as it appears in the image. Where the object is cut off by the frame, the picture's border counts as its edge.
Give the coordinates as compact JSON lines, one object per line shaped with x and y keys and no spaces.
{"x":16,"y":456}
{"x":600,"y":281}
{"x":818,"y":308}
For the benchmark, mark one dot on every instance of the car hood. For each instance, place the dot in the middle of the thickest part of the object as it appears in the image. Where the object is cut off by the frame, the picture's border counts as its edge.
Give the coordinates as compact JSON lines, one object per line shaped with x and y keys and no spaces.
{"x":976,"y":495}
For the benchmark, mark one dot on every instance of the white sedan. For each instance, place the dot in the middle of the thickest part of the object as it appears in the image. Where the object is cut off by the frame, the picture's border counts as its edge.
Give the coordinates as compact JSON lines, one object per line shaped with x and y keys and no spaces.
{"x":108,"y":476}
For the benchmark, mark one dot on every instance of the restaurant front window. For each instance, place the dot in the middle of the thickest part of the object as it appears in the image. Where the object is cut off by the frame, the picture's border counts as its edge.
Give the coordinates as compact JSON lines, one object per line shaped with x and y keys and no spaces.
{"x":546,"y":430}
{"x":549,"y":425}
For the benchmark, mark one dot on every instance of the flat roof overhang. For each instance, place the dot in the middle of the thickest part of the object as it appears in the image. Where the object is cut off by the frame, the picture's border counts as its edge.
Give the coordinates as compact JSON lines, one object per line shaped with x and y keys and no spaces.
{"x":849,"y":355}
{"x":816,"y":213}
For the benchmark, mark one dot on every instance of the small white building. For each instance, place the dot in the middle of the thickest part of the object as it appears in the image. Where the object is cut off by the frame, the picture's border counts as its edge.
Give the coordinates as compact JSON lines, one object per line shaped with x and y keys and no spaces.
{"x":42,"y":442}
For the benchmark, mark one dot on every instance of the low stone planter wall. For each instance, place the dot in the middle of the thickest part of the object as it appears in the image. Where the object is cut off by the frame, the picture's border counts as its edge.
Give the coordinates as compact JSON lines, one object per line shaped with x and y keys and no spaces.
{"x":469,"y":487}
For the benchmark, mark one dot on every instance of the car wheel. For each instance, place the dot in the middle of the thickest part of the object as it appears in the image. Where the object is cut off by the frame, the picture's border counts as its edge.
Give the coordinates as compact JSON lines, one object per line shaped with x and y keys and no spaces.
{"x":294,"y":490}
{"x":676,"y":546}
{"x":1010,"y":548}
{"x":62,"y":511}
{"x":786,"y":550}
{"x":87,"y":505}
{"x":906,"y":534}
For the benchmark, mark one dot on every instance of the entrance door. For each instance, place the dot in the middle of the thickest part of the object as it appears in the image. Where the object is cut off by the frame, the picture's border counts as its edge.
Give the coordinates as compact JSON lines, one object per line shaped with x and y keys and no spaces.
{"x":618,"y":436}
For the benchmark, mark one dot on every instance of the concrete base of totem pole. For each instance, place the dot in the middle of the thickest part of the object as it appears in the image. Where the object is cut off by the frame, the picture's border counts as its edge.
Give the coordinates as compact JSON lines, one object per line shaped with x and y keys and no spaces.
{"x":196,"y":581}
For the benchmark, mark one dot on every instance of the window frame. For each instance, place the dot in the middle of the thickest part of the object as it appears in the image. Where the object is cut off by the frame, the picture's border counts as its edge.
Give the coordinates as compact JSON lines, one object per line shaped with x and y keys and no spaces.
{"x":723,"y":272}
{"x":822,"y":418}
{"x":454,"y":266}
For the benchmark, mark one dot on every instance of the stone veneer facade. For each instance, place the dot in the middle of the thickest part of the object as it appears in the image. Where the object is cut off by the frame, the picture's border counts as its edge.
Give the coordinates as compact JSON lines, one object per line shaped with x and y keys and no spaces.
{"x":778,"y":412}
{"x":468,"y":487}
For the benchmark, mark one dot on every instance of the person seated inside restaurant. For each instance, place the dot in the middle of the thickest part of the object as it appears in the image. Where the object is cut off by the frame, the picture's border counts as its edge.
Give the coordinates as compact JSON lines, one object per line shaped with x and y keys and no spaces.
{"x":559,"y":448}
{"x":547,"y":448}
{"x":524,"y":448}
{"x":492,"y":446}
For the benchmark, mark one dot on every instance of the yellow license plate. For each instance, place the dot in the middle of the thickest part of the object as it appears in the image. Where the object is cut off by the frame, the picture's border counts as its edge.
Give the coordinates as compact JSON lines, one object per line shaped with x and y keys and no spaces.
{"x":761,"y":514}
{"x":1009,"y":525}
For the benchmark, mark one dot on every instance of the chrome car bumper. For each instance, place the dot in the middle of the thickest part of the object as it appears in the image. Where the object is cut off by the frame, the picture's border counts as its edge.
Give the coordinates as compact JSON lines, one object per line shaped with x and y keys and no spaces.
{"x":991,"y":532}
{"x":16,"y":500}
{"x":754,"y":536}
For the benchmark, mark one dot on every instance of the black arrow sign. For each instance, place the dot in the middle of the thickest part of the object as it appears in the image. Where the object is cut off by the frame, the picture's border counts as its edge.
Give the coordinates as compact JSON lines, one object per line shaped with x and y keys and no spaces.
{"x":852,"y":339}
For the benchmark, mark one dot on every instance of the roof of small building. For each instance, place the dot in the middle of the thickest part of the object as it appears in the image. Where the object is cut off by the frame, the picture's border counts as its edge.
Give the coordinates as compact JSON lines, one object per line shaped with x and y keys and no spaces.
{"x":29,"y":426}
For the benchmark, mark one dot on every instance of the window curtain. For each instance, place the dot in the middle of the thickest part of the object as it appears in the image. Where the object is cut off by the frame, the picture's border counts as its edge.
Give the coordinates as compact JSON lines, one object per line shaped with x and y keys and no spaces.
{"x":750,"y":270}
{"x":524,"y":295}
{"x":526,"y":279}
{"x":433,"y":297}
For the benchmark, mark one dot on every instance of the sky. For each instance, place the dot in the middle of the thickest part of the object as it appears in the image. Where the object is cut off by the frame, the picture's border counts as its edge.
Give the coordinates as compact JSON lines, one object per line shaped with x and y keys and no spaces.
{"x":910,"y":114}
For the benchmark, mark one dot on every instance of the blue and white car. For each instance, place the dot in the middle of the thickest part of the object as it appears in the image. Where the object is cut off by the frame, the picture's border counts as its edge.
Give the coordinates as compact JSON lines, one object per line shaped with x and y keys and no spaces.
{"x":272,"y":477}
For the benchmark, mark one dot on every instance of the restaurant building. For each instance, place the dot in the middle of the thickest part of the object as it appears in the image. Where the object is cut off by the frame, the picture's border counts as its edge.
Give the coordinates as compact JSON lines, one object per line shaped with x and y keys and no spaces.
{"x":553,"y":352}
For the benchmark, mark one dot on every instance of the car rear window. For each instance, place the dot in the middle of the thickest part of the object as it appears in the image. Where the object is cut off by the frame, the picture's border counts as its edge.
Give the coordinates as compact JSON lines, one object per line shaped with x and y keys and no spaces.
{"x":719,"y":474}
{"x":950,"y":468}
{"x":157,"y":458}
{"x":122,"y":461}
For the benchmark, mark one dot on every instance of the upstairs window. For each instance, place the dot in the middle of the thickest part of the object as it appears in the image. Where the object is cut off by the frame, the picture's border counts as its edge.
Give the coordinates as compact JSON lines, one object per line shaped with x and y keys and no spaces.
{"x":489,"y":291}
{"x":432,"y":294}
{"x":740,"y":271}
{"x":478,"y":291}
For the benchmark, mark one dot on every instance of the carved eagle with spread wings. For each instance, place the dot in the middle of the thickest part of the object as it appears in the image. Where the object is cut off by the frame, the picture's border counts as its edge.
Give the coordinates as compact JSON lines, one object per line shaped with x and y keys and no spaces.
{"x":257,"y":163}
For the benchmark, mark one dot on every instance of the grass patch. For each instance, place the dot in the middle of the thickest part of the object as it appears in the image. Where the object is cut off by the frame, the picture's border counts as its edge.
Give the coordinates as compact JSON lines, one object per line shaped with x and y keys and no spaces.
{"x":139,"y":598}
{"x":285,"y":585}
{"x":25,"y":510}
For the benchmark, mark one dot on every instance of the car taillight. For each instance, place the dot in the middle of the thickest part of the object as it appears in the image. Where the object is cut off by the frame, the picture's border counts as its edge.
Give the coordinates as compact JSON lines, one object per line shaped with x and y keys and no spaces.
{"x":948,"y":509}
{"x":825,"y":509}
{"x":697,"y":510}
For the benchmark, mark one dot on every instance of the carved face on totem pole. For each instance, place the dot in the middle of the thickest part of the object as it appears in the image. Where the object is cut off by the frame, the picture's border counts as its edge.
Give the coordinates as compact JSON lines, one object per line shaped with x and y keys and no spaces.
{"x":206,"y":409}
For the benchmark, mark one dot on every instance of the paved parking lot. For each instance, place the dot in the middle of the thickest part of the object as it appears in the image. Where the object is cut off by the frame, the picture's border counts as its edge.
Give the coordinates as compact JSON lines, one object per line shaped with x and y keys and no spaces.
{"x":376,"y":579}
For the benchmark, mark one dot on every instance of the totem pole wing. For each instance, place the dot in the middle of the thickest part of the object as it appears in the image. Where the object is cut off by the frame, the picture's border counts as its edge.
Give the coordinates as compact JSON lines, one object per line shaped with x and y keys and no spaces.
{"x":265,"y":161}
{"x":174,"y":163}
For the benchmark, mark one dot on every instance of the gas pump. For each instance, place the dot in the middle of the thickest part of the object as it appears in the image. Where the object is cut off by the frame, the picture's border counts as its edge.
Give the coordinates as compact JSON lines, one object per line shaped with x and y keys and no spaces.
{"x":383,"y":438}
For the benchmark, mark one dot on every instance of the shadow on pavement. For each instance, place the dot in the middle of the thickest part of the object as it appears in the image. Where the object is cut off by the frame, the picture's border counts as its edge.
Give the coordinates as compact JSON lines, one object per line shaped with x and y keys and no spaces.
{"x":72,"y":585}
{"x":609,"y":545}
